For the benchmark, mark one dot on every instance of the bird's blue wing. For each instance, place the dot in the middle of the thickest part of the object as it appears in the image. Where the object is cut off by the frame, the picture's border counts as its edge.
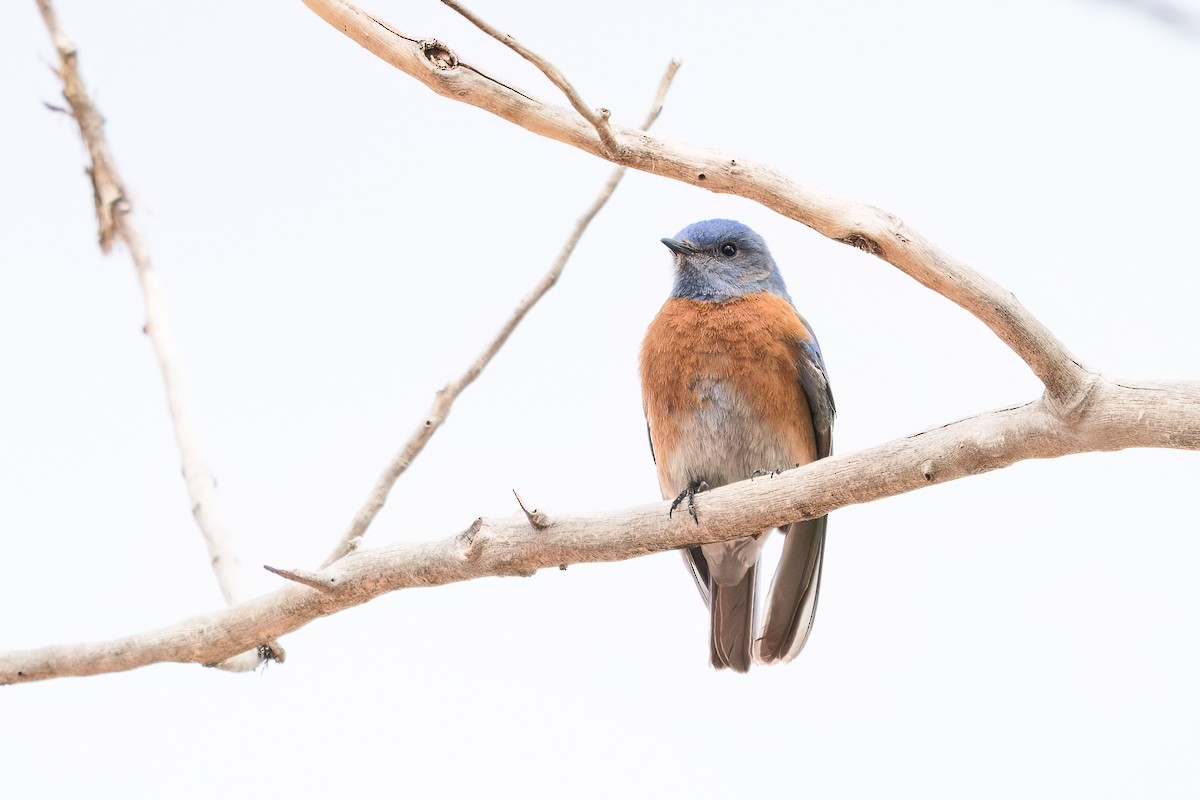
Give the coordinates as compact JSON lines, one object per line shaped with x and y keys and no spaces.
{"x":815,"y":382}
{"x":792,"y":599}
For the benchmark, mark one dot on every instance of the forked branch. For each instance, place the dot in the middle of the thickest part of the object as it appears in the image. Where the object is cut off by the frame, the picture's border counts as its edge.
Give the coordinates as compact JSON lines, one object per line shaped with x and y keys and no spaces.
{"x":597,"y":117}
{"x":842,"y":219}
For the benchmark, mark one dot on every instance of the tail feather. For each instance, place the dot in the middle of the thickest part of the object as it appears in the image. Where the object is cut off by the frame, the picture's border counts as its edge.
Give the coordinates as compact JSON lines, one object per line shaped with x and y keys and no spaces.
{"x":792,"y":600}
{"x":732,"y":609}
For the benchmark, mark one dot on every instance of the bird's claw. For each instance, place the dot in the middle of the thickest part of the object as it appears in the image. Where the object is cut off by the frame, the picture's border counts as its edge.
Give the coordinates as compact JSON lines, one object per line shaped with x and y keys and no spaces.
{"x":769,"y":472}
{"x":690,"y":494}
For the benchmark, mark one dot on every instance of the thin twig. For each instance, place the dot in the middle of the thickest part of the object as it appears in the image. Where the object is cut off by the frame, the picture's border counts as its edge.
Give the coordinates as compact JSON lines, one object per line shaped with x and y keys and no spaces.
{"x":446,"y":396}
{"x":109,"y":193}
{"x":661,"y":95}
{"x":598,"y":117}
{"x":114,"y":213}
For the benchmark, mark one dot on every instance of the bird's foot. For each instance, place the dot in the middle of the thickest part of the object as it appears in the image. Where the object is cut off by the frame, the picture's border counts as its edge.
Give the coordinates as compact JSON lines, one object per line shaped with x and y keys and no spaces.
{"x":769,"y":472}
{"x":690,"y":494}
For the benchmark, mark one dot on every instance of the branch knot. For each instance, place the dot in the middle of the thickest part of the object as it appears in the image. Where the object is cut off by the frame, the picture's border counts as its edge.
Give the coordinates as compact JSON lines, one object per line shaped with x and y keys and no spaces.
{"x":438,"y":54}
{"x":469,"y":543}
{"x":862,"y":242}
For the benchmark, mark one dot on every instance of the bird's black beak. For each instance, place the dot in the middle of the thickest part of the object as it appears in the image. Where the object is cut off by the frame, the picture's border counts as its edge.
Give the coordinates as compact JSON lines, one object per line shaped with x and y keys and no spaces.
{"x":678,"y":247}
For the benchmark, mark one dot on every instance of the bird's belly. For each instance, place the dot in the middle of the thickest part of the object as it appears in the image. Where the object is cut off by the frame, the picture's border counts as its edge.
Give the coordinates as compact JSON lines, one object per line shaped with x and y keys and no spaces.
{"x":723,"y":438}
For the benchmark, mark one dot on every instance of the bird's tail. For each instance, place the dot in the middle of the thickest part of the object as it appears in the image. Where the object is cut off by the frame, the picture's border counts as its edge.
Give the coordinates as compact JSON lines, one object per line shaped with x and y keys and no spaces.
{"x":732,"y":609}
{"x":792,"y":601}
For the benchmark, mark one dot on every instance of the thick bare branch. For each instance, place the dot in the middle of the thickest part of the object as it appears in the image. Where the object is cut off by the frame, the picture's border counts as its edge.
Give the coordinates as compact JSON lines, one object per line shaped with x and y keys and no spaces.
{"x":598,"y":117}
{"x":848,"y":221}
{"x":114,"y":211}
{"x":1108,"y":416}
{"x":449,"y":393}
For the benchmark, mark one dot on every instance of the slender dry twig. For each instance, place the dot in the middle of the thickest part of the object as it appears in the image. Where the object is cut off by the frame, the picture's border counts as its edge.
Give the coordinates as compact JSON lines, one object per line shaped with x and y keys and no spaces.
{"x":597,"y":117}
{"x":1110,"y":416}
{"x":114,"y":212}
{"x":842,"y":219}
{"x":446,"y":396}
{"x":661,"y":96}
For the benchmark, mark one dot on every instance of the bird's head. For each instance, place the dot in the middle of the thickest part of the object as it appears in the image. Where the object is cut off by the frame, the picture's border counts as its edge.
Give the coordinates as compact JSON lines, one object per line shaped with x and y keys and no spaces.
{"x":719,"y":260}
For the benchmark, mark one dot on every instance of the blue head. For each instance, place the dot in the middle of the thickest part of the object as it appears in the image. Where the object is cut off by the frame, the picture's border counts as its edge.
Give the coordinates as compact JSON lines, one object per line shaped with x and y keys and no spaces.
{"x":719,"y":259}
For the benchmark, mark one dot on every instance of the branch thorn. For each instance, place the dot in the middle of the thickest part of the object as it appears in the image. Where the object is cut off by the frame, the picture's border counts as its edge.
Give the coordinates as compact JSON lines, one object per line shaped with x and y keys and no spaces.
{"x":311,"y":579}
{"x":537,"y":520}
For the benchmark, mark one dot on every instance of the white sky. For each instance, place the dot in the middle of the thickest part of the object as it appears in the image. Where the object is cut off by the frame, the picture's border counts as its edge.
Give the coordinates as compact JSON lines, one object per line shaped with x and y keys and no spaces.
{"x":337,"y":242}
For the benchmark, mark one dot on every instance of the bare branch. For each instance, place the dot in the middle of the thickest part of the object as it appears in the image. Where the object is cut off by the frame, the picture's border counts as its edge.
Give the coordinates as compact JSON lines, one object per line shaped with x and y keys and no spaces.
{"x":597,"y":117}
{"x":109,"y":192}
{"x":1109,"y":416}
{"x":842,"y":219}
{"x":449,"y":393}
{"x":114,"y":211}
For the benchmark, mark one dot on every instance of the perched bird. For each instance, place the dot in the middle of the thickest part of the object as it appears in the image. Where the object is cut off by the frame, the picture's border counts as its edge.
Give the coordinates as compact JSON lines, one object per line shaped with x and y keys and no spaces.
{"x":733,"y":386}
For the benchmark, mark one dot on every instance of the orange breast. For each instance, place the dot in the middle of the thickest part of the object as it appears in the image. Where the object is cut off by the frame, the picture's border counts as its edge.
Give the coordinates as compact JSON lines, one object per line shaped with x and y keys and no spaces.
{"x":729,"y":368}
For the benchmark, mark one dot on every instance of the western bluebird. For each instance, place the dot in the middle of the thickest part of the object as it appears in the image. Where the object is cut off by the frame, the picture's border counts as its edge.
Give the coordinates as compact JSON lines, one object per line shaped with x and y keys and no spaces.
{"x":734,"y":385}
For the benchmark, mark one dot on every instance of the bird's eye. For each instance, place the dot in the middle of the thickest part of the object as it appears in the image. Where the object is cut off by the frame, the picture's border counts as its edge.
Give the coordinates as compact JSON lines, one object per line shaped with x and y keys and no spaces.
{"x":729,"y":249}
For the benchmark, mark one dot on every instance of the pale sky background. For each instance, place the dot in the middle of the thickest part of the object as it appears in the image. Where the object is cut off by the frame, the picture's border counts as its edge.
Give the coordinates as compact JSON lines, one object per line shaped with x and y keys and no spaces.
{"x":336,"y":242}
